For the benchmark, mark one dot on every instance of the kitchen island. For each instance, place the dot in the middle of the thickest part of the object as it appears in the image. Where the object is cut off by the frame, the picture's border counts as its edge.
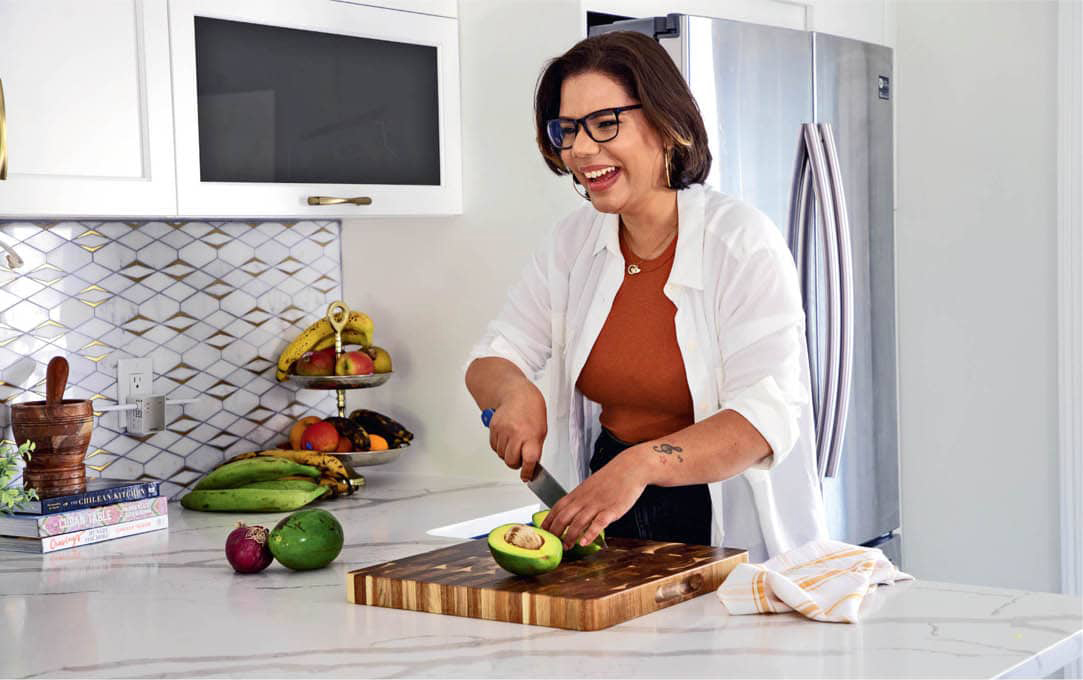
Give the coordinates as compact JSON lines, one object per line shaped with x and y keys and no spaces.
{"x":168,"y":605}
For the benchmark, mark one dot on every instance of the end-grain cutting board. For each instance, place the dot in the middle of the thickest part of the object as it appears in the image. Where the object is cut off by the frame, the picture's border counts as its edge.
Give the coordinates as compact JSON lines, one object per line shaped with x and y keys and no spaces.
{"x":628,"y":579}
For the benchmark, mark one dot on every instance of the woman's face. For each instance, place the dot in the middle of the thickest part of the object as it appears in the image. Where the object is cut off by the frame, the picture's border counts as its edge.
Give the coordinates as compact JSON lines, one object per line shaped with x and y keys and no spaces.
{"x":635,"y":154}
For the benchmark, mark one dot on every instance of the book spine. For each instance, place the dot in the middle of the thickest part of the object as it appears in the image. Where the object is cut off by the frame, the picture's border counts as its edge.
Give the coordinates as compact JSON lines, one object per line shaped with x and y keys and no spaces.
{"x":92,"y":499}
{"x":98,"y":534}
{"x":104,"y":515}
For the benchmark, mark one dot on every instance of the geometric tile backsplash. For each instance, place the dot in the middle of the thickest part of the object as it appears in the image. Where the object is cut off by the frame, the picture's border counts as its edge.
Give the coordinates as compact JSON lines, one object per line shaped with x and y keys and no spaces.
{"x":212,"y":303}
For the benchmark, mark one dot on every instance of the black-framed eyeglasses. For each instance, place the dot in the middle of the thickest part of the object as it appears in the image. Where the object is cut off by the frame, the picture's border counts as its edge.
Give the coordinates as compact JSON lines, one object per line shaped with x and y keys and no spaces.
{"x":601,"y":126}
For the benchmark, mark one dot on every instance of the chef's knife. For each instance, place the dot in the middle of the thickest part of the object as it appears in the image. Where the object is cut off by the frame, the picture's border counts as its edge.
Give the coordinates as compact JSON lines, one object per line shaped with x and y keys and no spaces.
{"x":544,"y":485}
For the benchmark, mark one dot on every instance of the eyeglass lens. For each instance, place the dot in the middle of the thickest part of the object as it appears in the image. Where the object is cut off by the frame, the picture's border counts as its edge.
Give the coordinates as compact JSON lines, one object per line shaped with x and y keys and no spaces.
{"x":601,"y":126}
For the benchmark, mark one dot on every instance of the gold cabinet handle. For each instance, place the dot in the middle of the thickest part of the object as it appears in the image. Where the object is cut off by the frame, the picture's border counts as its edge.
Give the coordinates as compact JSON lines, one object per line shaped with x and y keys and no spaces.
{"x":335,"y":200}
{"x":3,"y":135}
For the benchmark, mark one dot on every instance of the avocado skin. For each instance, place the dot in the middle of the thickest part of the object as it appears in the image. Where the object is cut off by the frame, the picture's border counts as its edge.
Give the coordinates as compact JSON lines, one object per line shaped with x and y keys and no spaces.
{"x":577,"y":551}
{"x":307,"y":539}
{"x":523,"y":562}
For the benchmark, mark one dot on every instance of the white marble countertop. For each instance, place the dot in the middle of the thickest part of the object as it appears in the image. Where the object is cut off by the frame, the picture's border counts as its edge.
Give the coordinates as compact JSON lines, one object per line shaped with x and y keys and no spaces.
{"x":168,"y":605}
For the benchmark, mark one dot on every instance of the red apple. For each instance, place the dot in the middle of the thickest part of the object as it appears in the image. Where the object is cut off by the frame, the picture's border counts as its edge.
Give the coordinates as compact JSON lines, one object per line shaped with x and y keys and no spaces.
{"x":317,"y":363}
{"x":321,"y":436}
{"x":354,"y":363}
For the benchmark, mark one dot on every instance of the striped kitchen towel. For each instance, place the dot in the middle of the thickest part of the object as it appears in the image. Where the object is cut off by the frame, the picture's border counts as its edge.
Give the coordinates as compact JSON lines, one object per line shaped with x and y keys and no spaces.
{"x":824,"y":580}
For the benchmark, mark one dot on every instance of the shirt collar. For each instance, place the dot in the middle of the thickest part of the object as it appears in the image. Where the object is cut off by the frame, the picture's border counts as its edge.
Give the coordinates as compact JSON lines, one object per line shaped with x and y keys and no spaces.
{"x":688,"y":260}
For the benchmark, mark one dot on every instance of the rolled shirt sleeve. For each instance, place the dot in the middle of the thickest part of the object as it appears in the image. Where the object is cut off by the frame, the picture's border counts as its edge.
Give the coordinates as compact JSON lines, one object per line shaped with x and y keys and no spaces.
{"x":522,"y":333}
{"x":762,"y":339}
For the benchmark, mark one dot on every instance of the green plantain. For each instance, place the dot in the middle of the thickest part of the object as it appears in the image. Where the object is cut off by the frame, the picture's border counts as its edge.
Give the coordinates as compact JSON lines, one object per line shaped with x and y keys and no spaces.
{"x":250,"y":500}
{"x":328,"y":464}
{"x":256,"y":469}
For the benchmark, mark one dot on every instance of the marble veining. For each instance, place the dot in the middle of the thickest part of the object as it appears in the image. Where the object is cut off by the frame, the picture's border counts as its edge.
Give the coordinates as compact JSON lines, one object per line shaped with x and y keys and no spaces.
{"x":108,"y":600}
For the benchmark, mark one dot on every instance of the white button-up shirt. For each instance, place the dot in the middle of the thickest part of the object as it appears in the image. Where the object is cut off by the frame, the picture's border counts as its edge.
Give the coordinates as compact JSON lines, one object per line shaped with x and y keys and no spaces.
{"x":741,"y":332}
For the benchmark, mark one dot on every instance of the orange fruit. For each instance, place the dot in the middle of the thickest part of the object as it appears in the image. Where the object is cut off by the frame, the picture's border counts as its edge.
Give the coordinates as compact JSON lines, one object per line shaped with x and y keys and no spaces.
{"x":377,"y":443}
{"x":298,"y":431}
{"x":344,"y":445}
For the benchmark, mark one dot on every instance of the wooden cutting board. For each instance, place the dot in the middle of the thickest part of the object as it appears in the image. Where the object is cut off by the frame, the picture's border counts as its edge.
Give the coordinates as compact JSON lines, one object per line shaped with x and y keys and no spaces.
{"x":630,"y":578}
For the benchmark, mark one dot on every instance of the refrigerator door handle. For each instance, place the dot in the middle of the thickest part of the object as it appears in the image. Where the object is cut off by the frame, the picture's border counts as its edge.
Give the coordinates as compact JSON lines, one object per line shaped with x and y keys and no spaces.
{"x":846,"y":297}
{"x":802,"y":205}
{"x":825,"y":419}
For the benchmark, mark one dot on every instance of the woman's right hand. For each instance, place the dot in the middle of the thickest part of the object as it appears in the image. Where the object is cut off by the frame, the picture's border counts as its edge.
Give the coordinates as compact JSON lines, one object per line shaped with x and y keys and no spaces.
{"x":518,"y":428}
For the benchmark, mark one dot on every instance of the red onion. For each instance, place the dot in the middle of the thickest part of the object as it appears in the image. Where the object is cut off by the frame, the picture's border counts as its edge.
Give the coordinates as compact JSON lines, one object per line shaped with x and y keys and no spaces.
{"x":247,"y":549}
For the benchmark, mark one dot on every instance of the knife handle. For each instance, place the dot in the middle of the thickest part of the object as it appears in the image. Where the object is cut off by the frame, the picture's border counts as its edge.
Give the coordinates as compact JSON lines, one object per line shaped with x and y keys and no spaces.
{"x":486,"y":416}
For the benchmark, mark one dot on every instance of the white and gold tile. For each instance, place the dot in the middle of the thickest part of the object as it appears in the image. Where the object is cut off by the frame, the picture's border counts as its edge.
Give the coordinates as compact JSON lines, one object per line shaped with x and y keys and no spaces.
{"x":212,"y":303}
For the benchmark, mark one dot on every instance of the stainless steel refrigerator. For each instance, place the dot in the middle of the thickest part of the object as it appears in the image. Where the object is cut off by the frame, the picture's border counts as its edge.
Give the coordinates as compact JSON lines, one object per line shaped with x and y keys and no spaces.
{"x":800,"y":126}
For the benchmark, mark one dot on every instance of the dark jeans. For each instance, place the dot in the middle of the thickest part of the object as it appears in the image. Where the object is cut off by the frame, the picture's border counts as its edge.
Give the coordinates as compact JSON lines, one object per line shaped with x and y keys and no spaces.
{"x":681,"y":514}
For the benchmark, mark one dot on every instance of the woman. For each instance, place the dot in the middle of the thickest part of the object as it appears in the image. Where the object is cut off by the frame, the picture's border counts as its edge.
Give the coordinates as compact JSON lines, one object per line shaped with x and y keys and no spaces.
{"x":671,"y":318}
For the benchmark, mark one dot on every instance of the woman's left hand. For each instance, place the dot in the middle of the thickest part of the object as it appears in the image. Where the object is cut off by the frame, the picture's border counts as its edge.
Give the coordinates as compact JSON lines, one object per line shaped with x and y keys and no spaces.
{"x":601,"y":499}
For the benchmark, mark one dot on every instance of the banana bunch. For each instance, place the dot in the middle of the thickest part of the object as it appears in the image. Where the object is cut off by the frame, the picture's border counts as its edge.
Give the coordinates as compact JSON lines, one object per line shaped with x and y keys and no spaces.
{"x":358,"y":331}
{"x":349,"y":337}
{"x":255,"y":485}
{"x":377,"y":423}
{"x":332,"y":473}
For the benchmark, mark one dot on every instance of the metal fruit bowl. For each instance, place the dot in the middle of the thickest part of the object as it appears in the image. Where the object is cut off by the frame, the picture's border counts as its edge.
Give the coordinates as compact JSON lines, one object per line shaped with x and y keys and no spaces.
{"x":339,"y":382}
{"x":363,"y":458}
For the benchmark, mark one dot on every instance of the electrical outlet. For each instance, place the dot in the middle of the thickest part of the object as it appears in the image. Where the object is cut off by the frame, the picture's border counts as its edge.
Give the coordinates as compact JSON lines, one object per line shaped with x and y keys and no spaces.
{"x":134,"y":376}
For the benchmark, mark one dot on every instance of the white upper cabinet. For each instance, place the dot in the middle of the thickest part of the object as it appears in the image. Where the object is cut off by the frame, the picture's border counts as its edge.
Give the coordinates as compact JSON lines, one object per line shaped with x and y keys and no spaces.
{"x":86,"y":122}
{"x":293,"y":107}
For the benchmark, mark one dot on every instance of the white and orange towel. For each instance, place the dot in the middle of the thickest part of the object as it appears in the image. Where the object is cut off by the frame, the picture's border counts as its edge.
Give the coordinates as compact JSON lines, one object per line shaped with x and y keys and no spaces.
{"x":824,"y":580}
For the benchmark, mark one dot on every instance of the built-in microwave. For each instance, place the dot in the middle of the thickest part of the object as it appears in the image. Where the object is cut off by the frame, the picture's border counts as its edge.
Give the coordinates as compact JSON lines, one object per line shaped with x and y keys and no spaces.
{"x":314,"y":108}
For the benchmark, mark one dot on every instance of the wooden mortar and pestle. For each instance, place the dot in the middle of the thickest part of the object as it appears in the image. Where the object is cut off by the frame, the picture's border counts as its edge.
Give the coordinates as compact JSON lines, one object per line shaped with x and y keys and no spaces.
{"x":60,"y":429}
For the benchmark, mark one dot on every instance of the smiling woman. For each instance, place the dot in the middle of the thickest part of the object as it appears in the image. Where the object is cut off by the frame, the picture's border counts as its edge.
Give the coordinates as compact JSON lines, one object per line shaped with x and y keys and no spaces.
{"x":673,"y":321}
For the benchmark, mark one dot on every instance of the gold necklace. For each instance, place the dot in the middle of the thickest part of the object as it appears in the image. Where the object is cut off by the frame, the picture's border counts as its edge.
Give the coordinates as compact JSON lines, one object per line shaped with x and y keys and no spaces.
{"x":634,"y":268}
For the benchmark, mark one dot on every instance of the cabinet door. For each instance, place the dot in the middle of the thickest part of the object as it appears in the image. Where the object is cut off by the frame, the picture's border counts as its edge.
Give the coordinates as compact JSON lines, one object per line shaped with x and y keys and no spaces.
{"x":279,"y":102}
{"x":88,"y":111}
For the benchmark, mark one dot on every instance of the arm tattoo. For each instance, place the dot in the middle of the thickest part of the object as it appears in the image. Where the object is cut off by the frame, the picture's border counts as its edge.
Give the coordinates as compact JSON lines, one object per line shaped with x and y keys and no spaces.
{"x":669,"y":449}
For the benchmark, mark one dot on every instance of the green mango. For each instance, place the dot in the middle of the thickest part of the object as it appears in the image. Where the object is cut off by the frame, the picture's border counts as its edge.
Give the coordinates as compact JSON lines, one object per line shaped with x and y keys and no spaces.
{"x":524,"y":550}
{"x":577,"y":551}
{"x":307,"y":539}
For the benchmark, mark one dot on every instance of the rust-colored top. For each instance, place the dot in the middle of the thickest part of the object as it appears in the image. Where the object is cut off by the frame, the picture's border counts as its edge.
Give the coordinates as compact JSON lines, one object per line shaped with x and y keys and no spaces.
{"x":635,"y":370}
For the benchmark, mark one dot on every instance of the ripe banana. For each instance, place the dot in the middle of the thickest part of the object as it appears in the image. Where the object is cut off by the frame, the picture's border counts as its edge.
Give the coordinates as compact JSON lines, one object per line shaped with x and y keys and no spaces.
{"x":349,"y":337}
{"x":250,"y":500}
{"x":358,"y":321}
{"x":254,"y":469}
{"x":377,"y":423}
{"x":329,"y":465}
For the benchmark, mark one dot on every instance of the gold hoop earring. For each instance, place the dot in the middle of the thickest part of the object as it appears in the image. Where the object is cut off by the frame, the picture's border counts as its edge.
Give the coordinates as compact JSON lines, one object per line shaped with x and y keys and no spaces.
{"x":575,"y":183}
{"x":669,"y":152}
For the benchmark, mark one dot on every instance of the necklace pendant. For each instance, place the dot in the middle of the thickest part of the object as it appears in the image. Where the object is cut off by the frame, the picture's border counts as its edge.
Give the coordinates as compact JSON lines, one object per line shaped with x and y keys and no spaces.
{"x":633,"y":269}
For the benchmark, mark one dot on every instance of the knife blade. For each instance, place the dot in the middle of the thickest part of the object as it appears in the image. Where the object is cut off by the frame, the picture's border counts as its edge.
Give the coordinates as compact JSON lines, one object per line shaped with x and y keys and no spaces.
{"x":544,"y":485}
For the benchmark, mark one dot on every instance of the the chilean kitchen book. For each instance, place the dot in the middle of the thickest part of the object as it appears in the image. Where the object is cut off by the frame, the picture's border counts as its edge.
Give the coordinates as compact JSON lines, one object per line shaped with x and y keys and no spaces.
{"x":74,"y":539}
{"x":98,"y":492}
{"x":55,"y":524}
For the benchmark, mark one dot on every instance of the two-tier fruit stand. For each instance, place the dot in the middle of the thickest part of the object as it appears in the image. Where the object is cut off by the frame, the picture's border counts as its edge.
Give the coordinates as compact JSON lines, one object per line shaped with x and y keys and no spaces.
{"x":337,"y":315}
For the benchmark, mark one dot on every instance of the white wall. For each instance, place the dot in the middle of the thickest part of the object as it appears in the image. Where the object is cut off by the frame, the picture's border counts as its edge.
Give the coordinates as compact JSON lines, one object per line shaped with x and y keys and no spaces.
{"x":432,"y":284}
{"x":976,"y":235}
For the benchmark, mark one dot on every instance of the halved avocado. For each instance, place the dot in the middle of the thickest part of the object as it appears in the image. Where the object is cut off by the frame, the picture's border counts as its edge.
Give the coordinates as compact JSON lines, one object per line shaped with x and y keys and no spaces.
{"x":577,"y":551}
{"x":524,"y":550}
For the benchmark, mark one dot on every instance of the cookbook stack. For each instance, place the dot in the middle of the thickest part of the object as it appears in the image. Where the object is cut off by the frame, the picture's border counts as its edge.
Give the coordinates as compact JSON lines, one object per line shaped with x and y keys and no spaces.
{"x":106,"y":510}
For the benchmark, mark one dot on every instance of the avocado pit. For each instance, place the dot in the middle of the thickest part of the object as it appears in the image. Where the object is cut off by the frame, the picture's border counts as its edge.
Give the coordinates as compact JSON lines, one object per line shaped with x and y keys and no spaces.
{"x":524,"y":537}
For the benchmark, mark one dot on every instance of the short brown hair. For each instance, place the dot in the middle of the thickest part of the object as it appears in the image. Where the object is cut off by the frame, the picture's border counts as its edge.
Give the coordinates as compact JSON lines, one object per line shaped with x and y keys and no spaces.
{"x":647,"y":73}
